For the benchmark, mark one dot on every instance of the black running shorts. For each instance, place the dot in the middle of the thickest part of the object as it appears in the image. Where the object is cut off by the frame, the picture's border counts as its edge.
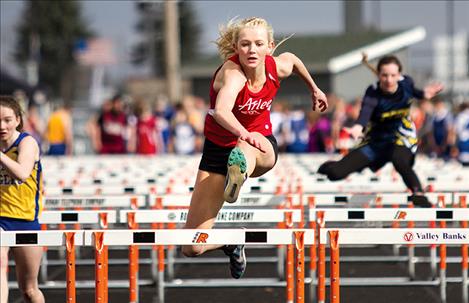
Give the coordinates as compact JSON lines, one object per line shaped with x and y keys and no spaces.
{"x":215,"y":157}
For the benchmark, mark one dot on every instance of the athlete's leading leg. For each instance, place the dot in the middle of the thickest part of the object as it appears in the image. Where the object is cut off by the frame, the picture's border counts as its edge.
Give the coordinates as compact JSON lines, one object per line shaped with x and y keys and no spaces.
{"x":352,"y":162}
{"x":247,"y":161}
{"x":28,"y":261}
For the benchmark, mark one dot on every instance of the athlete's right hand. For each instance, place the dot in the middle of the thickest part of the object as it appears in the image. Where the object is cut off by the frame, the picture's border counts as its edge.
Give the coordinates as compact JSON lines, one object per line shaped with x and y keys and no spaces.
{"x":319,"y":100}
{"x":252,"y":140}
{"x":355,"y":131}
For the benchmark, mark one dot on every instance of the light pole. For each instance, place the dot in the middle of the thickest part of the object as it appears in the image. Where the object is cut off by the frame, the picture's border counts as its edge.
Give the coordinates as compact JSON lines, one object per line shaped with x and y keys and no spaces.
{"x":172,"y":50}
{"x":450,"y":33}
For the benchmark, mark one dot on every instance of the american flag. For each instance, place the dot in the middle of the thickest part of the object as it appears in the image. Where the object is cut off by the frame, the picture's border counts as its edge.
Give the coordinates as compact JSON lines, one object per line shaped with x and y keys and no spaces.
{"x":98,"y":51}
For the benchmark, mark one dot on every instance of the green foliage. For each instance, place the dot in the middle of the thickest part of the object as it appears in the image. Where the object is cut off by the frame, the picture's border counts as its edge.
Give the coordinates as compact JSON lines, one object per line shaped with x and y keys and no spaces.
{"x":151,"y":25}
{"x":57,"y":25}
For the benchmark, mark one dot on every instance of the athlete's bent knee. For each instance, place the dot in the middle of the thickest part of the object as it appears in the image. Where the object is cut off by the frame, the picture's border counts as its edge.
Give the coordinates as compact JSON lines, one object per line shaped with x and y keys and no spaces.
{"x":192,"y":251}
{"x":335,"y":175}
{"x":331,"y":170}
{"x":29,"y":293}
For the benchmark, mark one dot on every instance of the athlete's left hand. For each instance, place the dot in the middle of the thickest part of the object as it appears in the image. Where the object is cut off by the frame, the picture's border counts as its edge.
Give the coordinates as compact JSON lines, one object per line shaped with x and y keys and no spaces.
{"x":252,"y":140}
{"x":432,"y":90}
{"x":319,"y":100}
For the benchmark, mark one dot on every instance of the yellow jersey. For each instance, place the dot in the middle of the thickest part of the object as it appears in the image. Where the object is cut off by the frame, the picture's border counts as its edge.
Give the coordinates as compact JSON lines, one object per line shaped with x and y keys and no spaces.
{"x":55,"y":133}
{"x":20,"y":200}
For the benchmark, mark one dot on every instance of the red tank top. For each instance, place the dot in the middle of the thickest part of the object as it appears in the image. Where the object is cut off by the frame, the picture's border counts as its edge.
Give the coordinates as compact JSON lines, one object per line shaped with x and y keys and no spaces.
{"x":112,"y":132}
{"x":251,"y":109}
{"x":146,"y":129}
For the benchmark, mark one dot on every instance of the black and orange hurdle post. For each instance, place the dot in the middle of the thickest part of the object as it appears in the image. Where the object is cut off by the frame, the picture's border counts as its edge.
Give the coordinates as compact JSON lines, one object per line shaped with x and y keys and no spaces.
{"x":70,"y":269}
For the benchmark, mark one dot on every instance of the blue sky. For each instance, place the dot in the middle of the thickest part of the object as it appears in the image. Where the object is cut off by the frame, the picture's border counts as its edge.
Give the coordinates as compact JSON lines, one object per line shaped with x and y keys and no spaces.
{"x":116,"y":20}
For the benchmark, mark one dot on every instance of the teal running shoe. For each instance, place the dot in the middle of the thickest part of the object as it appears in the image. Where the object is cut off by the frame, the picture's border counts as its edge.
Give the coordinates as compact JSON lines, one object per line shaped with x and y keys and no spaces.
{"x":237,"y":174}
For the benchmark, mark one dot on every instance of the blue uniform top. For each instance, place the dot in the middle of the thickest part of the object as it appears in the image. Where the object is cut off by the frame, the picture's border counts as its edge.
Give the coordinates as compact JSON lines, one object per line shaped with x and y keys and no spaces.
{"x":386,"y":117}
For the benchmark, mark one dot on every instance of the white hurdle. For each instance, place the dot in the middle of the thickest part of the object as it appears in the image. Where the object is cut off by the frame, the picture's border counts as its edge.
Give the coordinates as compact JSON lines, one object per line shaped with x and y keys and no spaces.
{"x":77,"y":216}
{"x":395,"y":215}
{"x":232,"y":215}
{"x":226,"y":215}
{"x":105,"y":217}
{"x":345,"y":236}
{"x":69,"y":207}
{"x":100,"y":239}
{"x":257,"y":200}
{"x":376,"y":199}
{"x":90,"y":201}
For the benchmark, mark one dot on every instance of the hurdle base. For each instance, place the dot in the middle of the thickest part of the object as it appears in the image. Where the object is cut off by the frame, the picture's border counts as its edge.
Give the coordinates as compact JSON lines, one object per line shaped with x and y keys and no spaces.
{"x":85,"y":284}
{"x":381,"y":281}
{"x":207,"y":260}
{"x":244,"y":282}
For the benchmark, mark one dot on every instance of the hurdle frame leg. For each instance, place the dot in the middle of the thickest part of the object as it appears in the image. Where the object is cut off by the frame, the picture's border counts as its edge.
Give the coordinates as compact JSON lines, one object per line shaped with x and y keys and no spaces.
{"x":133,"y":262}
{"x":464,"y":257}
{"x":464,"y":266}
{"x":322,"y":259}
{"x":133,"y":274}
{"x":170,"y":251}
{"x":300,"y":266}
{"x":161,"y":282}
{"x":335,"y":266}
{"x":290,"y":260}
{"x":43,"y":270}
{"x":106,"y":273}
{"x":281,"y":262}
{"x":70,"y":268}
{"x":411,"y":252}
{"x":313,"y":264}
{"x":290,"y":275}
{"x":154,"y":263}
{"x":322,"y":274}
{"x":433,"y":262}
{"x":99,"y":269}
{"x":443,"y":282}
{"x":465,"y":286}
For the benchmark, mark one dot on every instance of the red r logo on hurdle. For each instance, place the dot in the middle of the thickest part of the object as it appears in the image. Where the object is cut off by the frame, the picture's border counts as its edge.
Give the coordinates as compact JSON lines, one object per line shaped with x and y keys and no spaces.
{"x":400,"y":215}
{"x":408,"y":236}
{"x":200,"y":238}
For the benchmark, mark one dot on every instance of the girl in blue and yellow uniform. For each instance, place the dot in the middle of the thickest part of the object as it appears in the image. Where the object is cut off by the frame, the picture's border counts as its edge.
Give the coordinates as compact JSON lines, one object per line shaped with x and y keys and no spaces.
{"x":387,"y":129}
{"x":20,"y":198}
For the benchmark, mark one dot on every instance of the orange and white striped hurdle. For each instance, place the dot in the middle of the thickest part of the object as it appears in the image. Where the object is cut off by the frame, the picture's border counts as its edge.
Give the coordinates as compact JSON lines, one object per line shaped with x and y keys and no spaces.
{"x":100,"y":239}
{"x":425,"y":236}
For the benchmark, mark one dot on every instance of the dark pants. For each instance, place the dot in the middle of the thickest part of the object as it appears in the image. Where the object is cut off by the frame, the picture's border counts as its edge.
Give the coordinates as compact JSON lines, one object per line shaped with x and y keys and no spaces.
{"x":401,"y":157}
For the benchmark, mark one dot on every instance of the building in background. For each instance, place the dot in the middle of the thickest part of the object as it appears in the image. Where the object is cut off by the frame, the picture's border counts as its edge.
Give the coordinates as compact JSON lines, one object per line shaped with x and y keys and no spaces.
{"x":450,"y":64}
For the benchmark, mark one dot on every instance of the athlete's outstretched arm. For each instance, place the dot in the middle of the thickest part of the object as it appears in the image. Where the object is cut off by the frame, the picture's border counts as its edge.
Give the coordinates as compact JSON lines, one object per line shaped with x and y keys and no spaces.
{"x":428,"y":92}
{"x":288,"y":63}
{"x":231,"y":82}
{"x":28,"y":153}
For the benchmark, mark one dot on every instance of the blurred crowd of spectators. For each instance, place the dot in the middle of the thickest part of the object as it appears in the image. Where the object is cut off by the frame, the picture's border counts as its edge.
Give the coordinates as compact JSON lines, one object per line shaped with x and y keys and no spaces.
{"x":143,"y":126}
